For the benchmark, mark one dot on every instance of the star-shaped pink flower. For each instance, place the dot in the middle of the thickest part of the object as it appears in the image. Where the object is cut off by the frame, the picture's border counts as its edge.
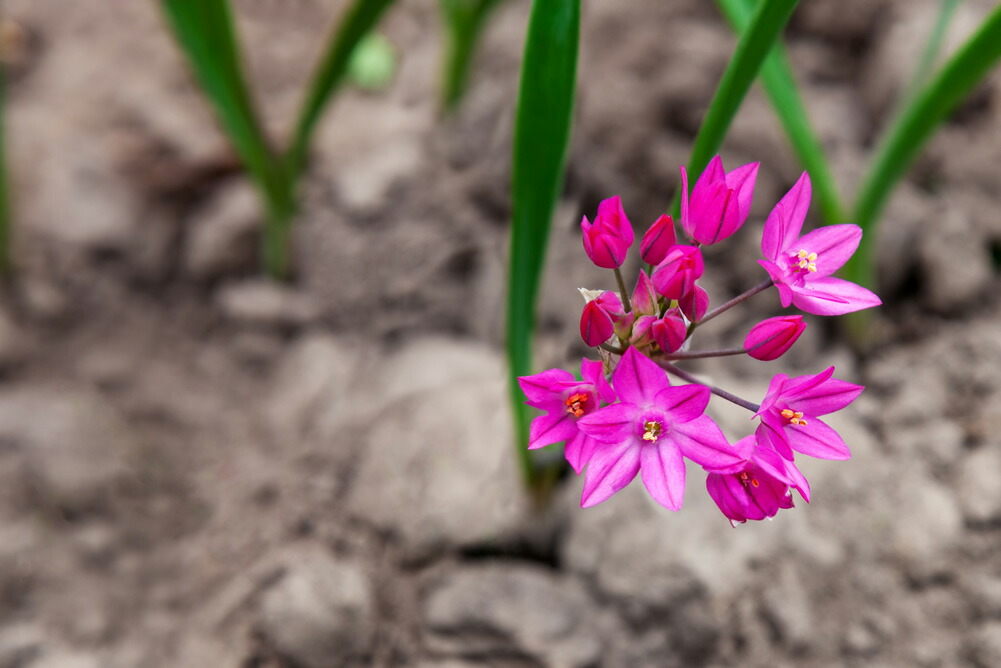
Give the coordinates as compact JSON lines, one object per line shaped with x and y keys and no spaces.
{"x":650,"y":431}
{"x":802,"y":266}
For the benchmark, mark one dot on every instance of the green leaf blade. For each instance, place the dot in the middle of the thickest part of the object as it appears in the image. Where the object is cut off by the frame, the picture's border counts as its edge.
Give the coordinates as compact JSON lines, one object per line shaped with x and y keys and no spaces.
{"x":464,"y":21}
{"x":541,"y":137}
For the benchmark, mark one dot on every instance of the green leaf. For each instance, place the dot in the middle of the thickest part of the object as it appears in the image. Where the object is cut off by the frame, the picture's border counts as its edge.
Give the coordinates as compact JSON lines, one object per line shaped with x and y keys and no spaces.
{"x":373,"y":63}
{"x":780,"y":85}
{"x":464,"y":20}
{"x":753,"y":46}
{"x":913,"y":127}
{"x":541,"y":136}
{"x":358,"y":22}
{"x":205,"y":32}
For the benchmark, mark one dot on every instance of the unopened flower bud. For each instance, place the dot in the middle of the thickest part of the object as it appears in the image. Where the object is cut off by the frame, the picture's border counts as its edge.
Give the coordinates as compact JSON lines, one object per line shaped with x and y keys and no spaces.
{"x":770,"y":339}
{"x":607,"y":239}
{"x":658,"y":240}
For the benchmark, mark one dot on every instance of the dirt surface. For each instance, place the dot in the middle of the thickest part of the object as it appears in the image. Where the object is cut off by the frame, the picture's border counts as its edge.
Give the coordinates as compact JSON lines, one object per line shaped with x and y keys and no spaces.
{"x":201,"y":468}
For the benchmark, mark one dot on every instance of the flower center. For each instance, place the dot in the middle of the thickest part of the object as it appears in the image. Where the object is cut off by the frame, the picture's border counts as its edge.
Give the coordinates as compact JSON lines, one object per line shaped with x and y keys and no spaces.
{"x":806,"y":260}
{"x":651,"y":431}
{"x":575,"y":404}
{"x":747,"y":479}
{"x":794,"y":417}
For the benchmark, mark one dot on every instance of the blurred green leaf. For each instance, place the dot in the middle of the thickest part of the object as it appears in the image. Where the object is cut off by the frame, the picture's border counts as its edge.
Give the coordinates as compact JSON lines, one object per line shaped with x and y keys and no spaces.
{"x":780,"y":85}
{"x":373,"y":63}
{"x":764,"y":31}
{"x":358,"y":22}
{"x":913,"y":127}
{"x":465,"y":20}
{"x":206,"y":34}
{"x":541,"y":136}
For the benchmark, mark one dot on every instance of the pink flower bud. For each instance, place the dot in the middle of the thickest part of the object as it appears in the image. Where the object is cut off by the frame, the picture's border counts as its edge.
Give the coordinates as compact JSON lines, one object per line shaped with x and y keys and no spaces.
{"x":658,"y":240}
{"x":695,"y":304}
{"x":720,"y":201}
{"x":675,"y":277}
{"x":596,"y":326}
{"x":610,"y":236}
{"x":645,"y":295}
{"x":670,"y":331}
{"x":770,"y":339}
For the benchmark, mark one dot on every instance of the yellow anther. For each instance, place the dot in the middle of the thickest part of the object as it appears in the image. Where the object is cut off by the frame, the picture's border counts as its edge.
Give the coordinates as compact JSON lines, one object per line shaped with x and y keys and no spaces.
{"x":575,"y":404}
{"x":807,"y":260}
{"x":794,"y":417}
{"x":651,"y":431}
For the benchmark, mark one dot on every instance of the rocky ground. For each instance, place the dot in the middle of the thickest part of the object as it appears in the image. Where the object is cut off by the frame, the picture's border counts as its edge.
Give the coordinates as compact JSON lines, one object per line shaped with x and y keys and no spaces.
{"x":200,"y":468}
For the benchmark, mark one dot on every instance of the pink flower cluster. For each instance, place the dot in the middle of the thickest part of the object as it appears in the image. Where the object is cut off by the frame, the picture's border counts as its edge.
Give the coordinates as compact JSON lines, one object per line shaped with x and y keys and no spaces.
{"x":633,"y":420}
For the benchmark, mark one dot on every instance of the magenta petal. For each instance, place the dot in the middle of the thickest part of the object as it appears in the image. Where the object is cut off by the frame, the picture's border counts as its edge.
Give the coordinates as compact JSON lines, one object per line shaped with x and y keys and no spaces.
{"x":611,"y":468}
{"x":685,"y":224}
{"x":657,"y":240}
{"x":669,"y":332}
{"x":771,"y":432}
{"x":551,"y":428}
{"x":644,"y":295}
{"x":695,"y":304}
{"x":683,"y":403}
{"x":730,"y":500}
{"x":830,"y":397}
{"x":538,"y":388}
{"x":710,"y":175}
{"x":702,"y":441}
{"x":833,"y":244}
{"x":611,"y":424}
{"x":833,"y":296}
{"x":778,"y":277}
{"x":742,"y":180}
{"x":578,"y":451}
{"x":593,"y":371}
{"x":662,"y":469}
{"x":637,"y":379}
{"x":818,"y":439}
{"x":793,"y":388}
{"x":785,"y":222}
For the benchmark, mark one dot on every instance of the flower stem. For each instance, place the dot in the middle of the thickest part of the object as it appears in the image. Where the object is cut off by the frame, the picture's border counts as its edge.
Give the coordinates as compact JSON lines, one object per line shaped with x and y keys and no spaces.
{"x":622,"y":290}
{"x":764,"y":285}
{"x":612,"y":349}
{"x":701,"y":354}
{"x":723,"y":394}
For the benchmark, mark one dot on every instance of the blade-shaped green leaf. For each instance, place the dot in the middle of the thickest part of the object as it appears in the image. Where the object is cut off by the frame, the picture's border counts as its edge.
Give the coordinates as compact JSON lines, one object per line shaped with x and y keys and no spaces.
{"x":912,"y":128}
{"x":541,"y":137}
{"x":464,"y":20}
{"x":359,"y":20}
{"x":780,"y":85}
{"x":205,"y":32}
{"x":753,"y":46}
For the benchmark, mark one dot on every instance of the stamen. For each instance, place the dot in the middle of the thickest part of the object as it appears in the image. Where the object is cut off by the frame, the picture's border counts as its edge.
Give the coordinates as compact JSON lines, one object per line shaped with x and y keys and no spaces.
{"x":807,"y":260}
{"x":794,"y":417}
{"x":575,"y":404}
{"x":651,"y":431}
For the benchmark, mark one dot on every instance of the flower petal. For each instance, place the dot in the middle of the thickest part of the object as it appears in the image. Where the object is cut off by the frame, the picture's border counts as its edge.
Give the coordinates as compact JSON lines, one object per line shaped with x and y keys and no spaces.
{"x":771,"y":432}
{"x":702,"y":441}
{"x":785,"y":222}
{"x":833,"y":244}
{"x":595,"y":325}
{"x":611,"y":468}
{"x":833,"y":296}
{"x":611,"y":424}
{"x":539,"y":388}
{"x":818,"y":439}
{"x":551,"y":428}
{"x":637,"y":379}
{"x":662,"y":469}
{"x":778,"y":278}
{"x":593,"y":371}
{"x":578,"y":451}
{"x":683,"y":403}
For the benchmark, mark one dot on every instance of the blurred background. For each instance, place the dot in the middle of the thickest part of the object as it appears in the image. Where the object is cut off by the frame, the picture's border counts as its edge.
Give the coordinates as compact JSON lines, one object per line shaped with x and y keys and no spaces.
{"x":201,"y":466}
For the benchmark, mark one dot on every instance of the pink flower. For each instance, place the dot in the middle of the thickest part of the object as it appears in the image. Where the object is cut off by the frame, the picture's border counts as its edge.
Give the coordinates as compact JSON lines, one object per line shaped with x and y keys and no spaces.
{"x":653,"y":428}
{"x":789,"y":415}
{"x":657,"y":240}
{"x":670,"y":331}
{"x":801,"y":266}
{"x":676,"y":275}
{"x":566,"y":400}
{"x":597,"y":321}
{"x":694,"y":304}
{"x":645,"y":297}
{"x":720,"y":201}
{"x":758,"y":486}
{"x":610,"y":236}
{"x":771,"y":338}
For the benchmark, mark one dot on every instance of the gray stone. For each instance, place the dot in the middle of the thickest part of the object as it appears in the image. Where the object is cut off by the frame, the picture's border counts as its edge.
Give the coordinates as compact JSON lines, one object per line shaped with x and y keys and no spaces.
{"x":940,"y":441}
{"x":979,"y":484}
{"x":223,"y":234}
{"x":264,"y":303}
{"x":437,"y":467}
{"x":787,"y":604}
{"x":321,"y":613}
{"x":75,"y":445}
{"x":506,"y":608}
{"x":984,"y":645}
{"x":13,"y":342}
{"x":20,"y":644}
{"x":952,"y":286}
